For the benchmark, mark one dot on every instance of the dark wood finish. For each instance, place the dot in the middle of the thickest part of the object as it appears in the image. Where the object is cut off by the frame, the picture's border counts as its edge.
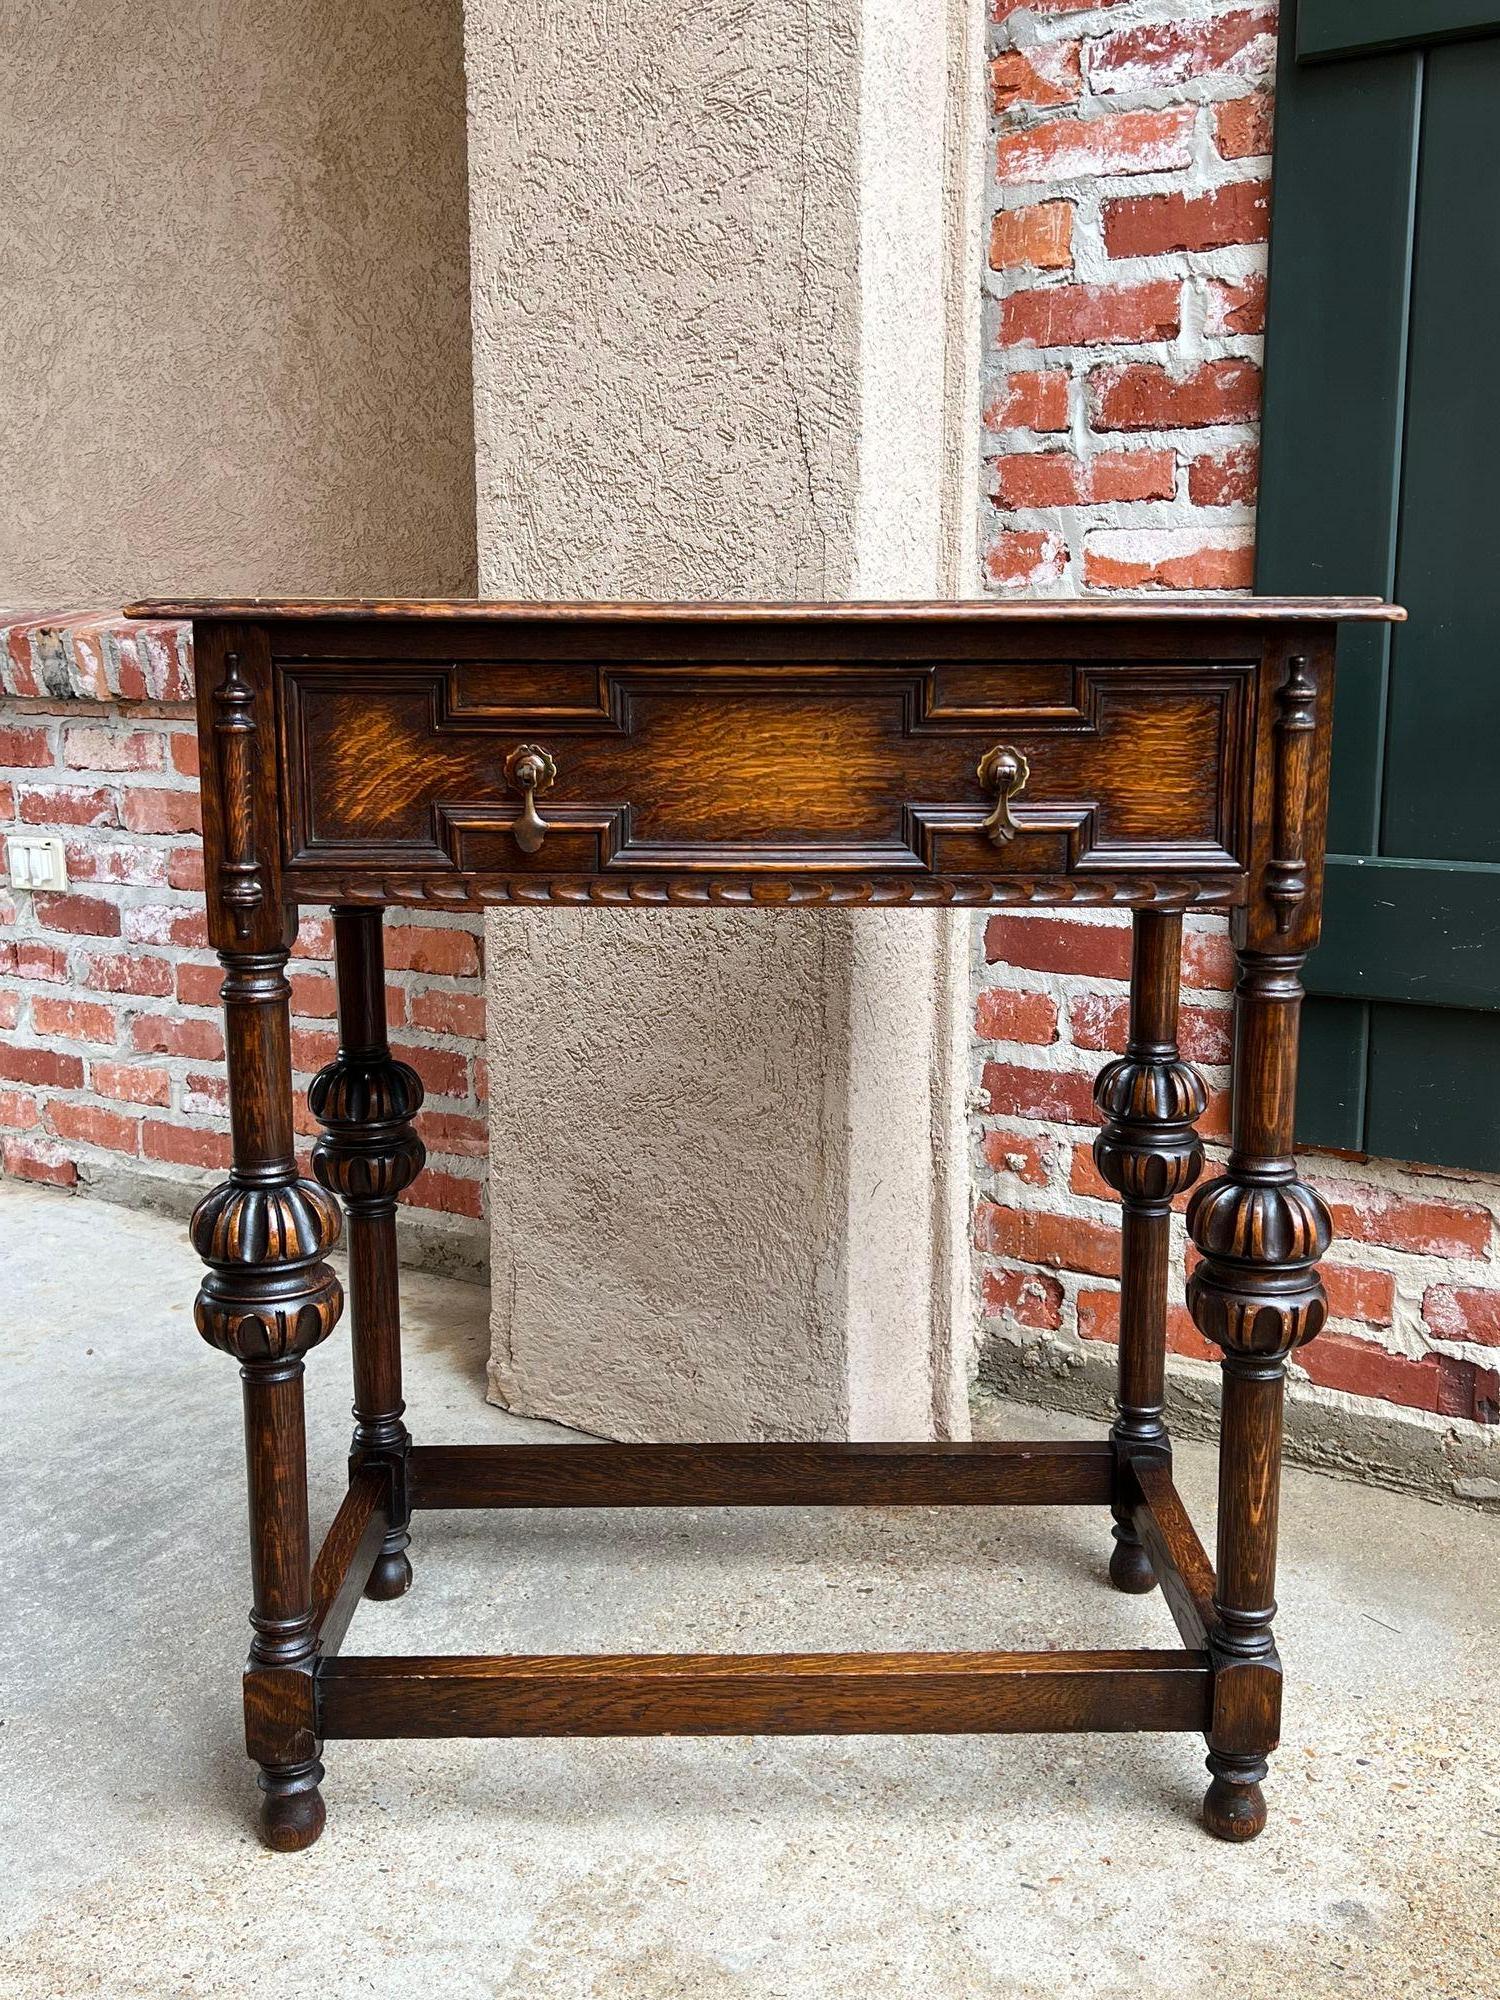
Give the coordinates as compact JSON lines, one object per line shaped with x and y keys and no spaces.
{"x":1159,"y":757}
{"x":763,"y":1694}
{"x":1149,"y":1152}
{"x":762,"y":1475}
{"x":369,"y":1154}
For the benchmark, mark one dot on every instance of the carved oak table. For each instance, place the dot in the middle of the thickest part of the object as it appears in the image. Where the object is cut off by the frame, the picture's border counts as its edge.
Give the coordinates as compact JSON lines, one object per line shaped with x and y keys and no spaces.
{"x":1160,"y":757}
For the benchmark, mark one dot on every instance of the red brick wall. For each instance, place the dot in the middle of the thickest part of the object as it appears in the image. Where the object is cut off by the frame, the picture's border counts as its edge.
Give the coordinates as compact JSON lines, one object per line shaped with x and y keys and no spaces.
{"x":1125,"y":299}
{"x":110,"y":1038}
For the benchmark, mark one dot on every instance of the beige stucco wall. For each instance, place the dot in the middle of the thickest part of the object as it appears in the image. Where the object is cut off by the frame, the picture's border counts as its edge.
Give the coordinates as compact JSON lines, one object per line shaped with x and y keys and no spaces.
{"x":723,"y":327}
{"x":234,"y":350}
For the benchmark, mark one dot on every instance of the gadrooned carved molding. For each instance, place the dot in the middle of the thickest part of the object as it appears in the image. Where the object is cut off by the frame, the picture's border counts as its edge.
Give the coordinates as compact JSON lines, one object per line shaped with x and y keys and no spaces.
{"x":375,"y":1169}
{"x":1148,"y":1150}
{"x":268,"y":1315}
{"x":355,"y":1094}
{"x":287,"y":1222}
{"x":1166,"y":893}
{"x":1257,"y":1290}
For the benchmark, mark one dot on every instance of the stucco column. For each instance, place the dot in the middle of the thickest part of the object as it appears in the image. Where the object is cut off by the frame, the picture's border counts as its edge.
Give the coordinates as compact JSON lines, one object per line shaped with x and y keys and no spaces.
{"x":725,"y":300}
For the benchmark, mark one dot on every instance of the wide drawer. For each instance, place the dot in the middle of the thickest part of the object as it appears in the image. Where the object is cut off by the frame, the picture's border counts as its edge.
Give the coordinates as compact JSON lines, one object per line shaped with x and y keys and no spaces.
{"x":843,"y":767}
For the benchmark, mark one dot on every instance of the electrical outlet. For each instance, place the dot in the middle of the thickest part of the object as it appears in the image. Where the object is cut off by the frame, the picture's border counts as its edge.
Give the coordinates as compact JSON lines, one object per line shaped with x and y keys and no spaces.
{"x":36,"y":861}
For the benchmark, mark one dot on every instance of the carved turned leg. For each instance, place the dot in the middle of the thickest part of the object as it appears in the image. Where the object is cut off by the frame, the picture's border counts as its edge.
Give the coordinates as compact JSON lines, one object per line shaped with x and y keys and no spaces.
{"x":368,"y":1155}
{"x":1148,"y":1152}
{"x":1256,"y":1295}
{"x":269,"y":1297}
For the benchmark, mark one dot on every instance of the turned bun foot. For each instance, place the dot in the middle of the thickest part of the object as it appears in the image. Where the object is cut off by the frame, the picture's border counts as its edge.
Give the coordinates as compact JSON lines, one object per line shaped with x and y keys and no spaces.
{"x":291,"y":1809}
{"x":1234,"y":1808}
{"x":1130,"y":1568}
{"x":391,"y":1576}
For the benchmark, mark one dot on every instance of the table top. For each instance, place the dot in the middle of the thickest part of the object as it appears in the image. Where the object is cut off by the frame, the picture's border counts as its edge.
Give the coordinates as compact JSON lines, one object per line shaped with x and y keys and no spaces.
{"x":976,"y":611}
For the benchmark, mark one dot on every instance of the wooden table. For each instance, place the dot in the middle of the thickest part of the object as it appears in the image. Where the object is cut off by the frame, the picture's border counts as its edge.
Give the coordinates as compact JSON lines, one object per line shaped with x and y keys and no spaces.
{"x":1159,"y":757}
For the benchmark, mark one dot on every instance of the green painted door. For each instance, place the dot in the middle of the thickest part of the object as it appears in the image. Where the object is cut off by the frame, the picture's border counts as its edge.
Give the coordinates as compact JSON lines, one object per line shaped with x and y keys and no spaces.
{"x":1382,"y":473}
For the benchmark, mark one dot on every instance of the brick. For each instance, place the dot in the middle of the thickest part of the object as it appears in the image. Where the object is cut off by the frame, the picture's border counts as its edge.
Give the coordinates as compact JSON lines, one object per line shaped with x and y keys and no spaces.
{"x":1020,"y":560}
{"x":153,"y":809}
{"x":314,"y":938}
{"x":7,"y":802}
{"x":130,"y":1083}
{"x":89,"y":916}
{"x":19,"y":1110}
{"x":449,"y":1013}
{"x":452,"y":953}
{"x":1038,"y":238}
{"x":1237,"y":306}
{"x":171,"y":1035}
{"x":314,"y":995}
{"x":1226,"y":478}
{"x":1165,"y":559}
{"x":1160,"y":54}
{"x":184,"y":1145}
{"x":311,"y":1049}
{"x":93,"y":747}
{"x":1242,"y":127}
{"x":198,"y":985}
{"x":1153,"y":225}
{"x":128,"y":862}
{"x":1012,"y":1090}
{"x":166,"y":923}
{"x":1009,"y":1015}
{"x":1092,"y":315}
{"x":25,"y":748}
{"x":91,"y":1125}
{"x":453,"y":1133}
{"x":1133,"y":475}
{"x":1462,"y":1312}
{"x":1040,"y":78}
{"x":183,"y":747}
{"x":38,"y":961}
{"x":1140,"y":396}
{"x":185,"y":867}
{"x":1058,"y":944}
{"x":1208,"y":961}
{"x":448,"y":1193}
{"x":1031,"y":401}
{"x":1030,"y":1298}
{"x":205,"y":1096}
{"x":1101,"y":1021}
{"x":76,"y":1021}
{"x":66,"y":805}
{"x":443,"y":1074}
{"x":47,"y":1069}
{"x":1358,"y":1294}
{"x":1132,"y":142}
{"x":1099,"y":1319}
{"x":1468,"y":1391}
{"x":1036,"y":1236}
{"x":1364,"y":1368}
{"x":1037,"y":479}
{"x":30,"y":1160}
{"x":1001,"y":10}
{"x":10,"y":1009}
{"x":1027,"y":1155}
{"x":127,"y":972}
{"x":1396,"y":1222}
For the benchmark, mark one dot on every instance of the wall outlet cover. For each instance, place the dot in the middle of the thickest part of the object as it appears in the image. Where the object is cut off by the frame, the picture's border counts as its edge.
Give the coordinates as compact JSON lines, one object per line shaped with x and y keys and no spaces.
{"x":36,"y":861}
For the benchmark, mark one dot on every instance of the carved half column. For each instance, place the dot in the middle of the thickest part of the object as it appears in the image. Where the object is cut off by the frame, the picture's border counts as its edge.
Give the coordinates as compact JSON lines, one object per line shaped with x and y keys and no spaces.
{"x":1256,"y":1295}
{"x":268,"y":1298}
{"x":368,"y":1155}
{"x":1149,"y":1152}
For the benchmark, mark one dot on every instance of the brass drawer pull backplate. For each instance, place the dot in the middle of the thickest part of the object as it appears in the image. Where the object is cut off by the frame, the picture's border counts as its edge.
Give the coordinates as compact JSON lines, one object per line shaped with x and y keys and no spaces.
{"x":530,"y":770}
{"x":1004,"y":772}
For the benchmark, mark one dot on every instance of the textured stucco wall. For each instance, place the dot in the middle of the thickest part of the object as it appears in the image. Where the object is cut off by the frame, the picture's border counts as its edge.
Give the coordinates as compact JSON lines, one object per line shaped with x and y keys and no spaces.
{"x":714,"y":358}
{"x":234,"y":353}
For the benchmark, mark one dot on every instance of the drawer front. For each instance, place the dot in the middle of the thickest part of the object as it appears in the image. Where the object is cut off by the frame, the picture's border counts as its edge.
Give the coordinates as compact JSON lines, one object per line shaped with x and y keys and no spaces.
{"x":832,"y":770}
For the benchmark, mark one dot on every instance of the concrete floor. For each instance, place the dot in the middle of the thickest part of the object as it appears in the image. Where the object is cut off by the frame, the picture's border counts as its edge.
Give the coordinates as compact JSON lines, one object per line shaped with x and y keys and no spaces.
{"x":939,"y":1869}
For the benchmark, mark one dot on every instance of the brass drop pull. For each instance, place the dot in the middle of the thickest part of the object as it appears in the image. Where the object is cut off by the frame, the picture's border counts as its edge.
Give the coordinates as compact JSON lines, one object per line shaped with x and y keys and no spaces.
{"x":1004,"y":772}
{"x":530,"y":770}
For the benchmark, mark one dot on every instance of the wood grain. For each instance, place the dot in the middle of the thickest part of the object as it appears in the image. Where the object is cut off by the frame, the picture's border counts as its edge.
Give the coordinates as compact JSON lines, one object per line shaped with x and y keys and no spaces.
{"x":348,"y":1555}
{"x":762,"y":1475}
{"x":781,"y":1694}
{"x":1036,"y":611}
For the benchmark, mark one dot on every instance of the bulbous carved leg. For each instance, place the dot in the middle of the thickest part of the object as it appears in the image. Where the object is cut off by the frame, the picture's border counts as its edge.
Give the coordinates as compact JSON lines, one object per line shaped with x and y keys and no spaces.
{"x":268,"y":1297}
{"x":1148,"y":1152}
{"x":368,"y":1155}
{"x":1257,"y":1295}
